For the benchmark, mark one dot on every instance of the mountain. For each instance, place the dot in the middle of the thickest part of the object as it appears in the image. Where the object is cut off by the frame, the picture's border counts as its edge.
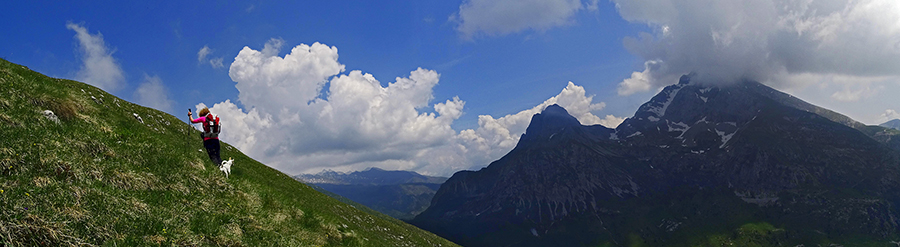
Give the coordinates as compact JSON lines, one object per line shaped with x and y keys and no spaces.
{"x":103,"y":171}
{"x":399,"y":194}
{"x":740,"y":164}
{"x":371,"y":176}
{"x":893,"y":124}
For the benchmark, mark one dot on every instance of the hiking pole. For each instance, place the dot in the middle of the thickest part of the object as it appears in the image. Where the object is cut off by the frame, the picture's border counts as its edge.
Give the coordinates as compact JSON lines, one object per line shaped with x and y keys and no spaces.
{"x":190,"y":118}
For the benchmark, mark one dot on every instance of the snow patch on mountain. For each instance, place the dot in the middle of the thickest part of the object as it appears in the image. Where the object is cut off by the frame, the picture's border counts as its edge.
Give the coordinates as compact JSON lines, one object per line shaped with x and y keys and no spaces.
{"x":702,"y":120}
{"x":725,"y":137}
{"x":679,"y":127}
{"x":660,"y":111}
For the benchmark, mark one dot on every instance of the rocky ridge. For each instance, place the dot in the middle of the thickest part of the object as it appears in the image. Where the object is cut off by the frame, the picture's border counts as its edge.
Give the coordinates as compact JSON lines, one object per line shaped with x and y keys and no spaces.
{"x":692,"y":161}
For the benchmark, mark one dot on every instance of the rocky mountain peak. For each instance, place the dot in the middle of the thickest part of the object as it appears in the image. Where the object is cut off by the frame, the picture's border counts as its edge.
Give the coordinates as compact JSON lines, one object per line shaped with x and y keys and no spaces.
{"x":707,"y":116}
{"x":551,"y":120}
{"x":556,"y":111}
{"x":685,"y":79}
{"x":738,"y":149}
{"x":687,"y":115}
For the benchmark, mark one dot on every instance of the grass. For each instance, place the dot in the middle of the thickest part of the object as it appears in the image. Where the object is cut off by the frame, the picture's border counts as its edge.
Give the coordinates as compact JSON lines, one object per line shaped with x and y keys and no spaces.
{"x":751,"y":235}
{"x":98,"y":176}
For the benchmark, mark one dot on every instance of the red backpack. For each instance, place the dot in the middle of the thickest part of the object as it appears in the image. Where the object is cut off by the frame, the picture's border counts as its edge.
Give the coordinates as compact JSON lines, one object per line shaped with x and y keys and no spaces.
{"x":211,"y":127}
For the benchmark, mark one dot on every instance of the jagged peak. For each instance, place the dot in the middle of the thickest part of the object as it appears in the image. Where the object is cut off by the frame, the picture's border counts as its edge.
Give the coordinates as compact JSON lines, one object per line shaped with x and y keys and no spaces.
{"x":682,"y":110}
{"x":685,"y":79}
{"x":557,"y":116}
{"x":555,"y":110}
{"x":706,"y":93}
{"x":551,"y":120}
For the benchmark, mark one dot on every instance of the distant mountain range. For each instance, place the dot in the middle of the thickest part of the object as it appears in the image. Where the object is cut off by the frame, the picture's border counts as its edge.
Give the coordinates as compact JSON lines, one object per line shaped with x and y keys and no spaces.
{"x":893,"y":124}
{"x":399,"y":194}
{"x":740,"y":164}
{"x":371,"y":176}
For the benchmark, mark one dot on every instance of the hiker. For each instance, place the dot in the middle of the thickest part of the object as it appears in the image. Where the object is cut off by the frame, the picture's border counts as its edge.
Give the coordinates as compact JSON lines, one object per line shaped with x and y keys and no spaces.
{"x":210,"y":133}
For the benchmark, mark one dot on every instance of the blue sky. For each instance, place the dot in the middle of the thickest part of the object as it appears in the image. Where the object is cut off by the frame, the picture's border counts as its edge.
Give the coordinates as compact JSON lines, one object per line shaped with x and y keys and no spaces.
{"x":503,"y":60}
{"x":512,"y":72}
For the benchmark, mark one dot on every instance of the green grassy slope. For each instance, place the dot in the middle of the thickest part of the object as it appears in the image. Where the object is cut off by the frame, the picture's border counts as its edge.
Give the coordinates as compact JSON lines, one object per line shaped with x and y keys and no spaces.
{"x":100,"y":177}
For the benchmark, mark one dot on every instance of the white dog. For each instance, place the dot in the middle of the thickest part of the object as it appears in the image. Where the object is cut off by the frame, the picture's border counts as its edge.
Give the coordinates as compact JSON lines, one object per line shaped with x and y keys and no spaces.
{"x":226,"y":166}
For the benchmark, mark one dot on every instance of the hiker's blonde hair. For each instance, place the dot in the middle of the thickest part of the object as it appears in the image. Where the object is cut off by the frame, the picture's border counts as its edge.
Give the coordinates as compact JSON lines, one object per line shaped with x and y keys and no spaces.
{"x":204,"y":111}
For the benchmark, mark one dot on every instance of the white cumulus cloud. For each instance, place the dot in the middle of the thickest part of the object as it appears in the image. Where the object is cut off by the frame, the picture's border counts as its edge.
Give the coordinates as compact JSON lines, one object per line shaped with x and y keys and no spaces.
{"x":201,"y":55}
{"x":499,"y":17}
{"x":216,"y":62}
{"x":611,"y":121}
{"x":240,"y":128}
{"x":771,"y":41}
{"x":357,"y":122}
{"x":270,"y":82}
{"x":639,"y":81}
{"x":890,"y":114}
{"x":99,"y":68}
{"x":495,"y":137}
{"x":153,"y":93}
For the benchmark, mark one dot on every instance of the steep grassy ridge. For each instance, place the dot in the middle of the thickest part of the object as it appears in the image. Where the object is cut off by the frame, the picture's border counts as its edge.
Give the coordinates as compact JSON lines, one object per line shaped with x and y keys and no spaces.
{"x":99,"y":176}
